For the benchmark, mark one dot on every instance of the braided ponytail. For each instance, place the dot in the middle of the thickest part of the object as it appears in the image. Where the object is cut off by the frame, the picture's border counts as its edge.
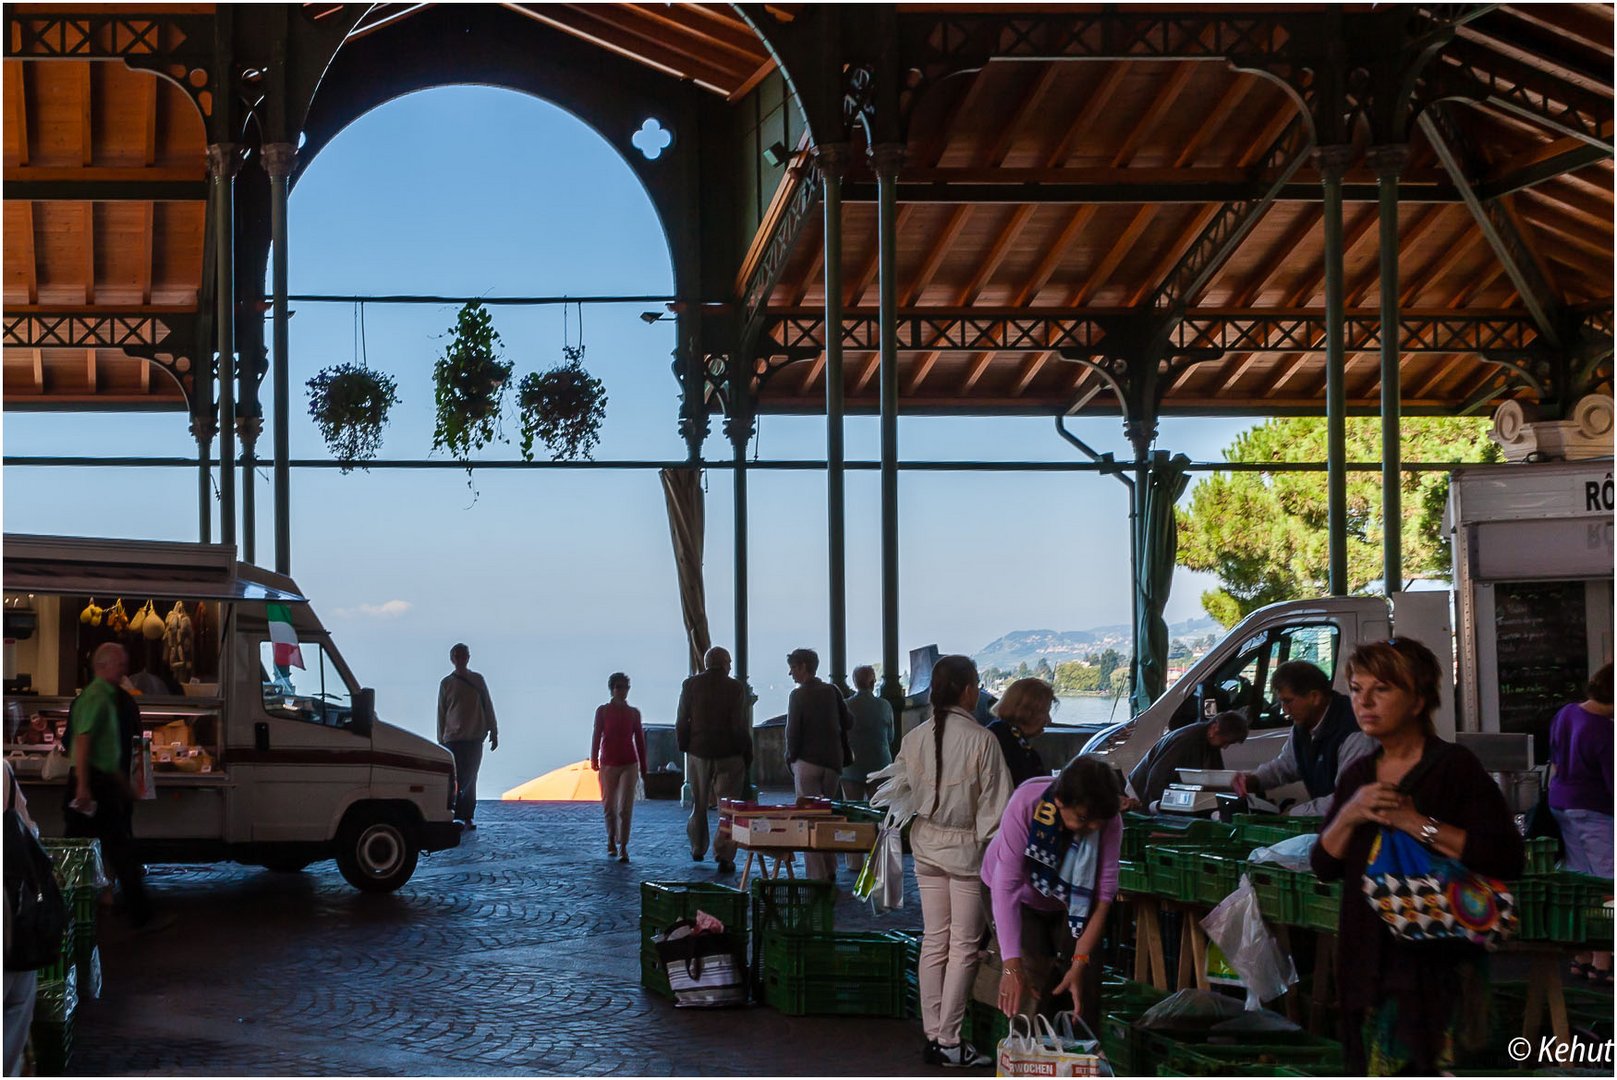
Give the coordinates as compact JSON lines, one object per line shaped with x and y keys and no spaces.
{"x":952,"y":677}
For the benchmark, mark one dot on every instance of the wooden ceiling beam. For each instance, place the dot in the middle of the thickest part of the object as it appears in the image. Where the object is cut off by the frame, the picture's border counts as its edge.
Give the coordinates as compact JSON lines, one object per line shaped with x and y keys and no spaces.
{"x":1285,"y":369}
{"x":1548,"y":161}
{"x":872,"y":366}
{"x":1583,"y":22}
{"x":813,"y":373}
{"x":750,"y":83}
{"x":1447,"y":259}
{"x":1566,"y":207}
{"x":922,"y":370}
{"x":150,"y":104}
{"x":26,"y":253}
{"x":867,"y":274}
{"x":816,"y":265}
{"x":1283,"y":252}
{"x":16,"y":94}
{"x":696,"y":55}
{"x":987,"y":266}
{"x":652,"y":54}
{"x":1445,"y":368}
{"x":145,"y":376}
{"x":1420,"y":224}
{"x":1570,"y":234}
{"x":927,"y":153}
{"x":147,"y":251}
{"x":1542,"y":53}
{"x":1091,"y":111}
{"x":1167,"y":97}
{"x":84,"y":84}
{"x":1103,"y":270}
{"x":934,"y":258}
{"x":1251,"y":361}
{"x":87,"y":215}
{"x":974,"y":373}
{"x":1171,"y":255}
{"x":1052,"y":256}
{"x":1353,"y":235}
{"x":744,"y":47}
{"x":1030,"y":371}
{"x":38,"y":358}
{"x":1531,"y":245}
{"x":1217,"y":117}
{"x":90,"y":379}
{"x":1476,"y":286}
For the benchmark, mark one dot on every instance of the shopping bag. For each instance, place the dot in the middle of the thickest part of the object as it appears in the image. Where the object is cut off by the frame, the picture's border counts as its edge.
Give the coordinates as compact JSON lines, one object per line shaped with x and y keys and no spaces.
{"x":56,"y":765}
{"x":704,"y":970}
{"x":1236,"y":926}
{"x":1423,"y":896}
{"x":881,"y":881}
{"x":1046,"y":1049}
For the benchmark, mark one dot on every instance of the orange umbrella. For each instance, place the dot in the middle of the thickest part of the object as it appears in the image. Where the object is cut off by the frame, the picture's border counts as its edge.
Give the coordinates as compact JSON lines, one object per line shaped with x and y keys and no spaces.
{"x":570,"y":783}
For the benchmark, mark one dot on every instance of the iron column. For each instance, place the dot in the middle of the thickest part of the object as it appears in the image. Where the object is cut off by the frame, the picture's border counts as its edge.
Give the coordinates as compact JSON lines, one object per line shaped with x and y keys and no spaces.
{"x":887,"y":157}
{"x":738,"y":426}
{"x":833,"y":161}
{"x":1333,"y":162}
{"x":1389,"y":162}
{"x":278,"y":161}
{"x":202,"y":430}
{"x":222,"y":165}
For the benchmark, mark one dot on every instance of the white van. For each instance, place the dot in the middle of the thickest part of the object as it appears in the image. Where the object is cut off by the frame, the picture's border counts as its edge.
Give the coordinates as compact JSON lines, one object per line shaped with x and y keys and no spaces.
{"x":1529,"y":617}
{"x":265,"y":763}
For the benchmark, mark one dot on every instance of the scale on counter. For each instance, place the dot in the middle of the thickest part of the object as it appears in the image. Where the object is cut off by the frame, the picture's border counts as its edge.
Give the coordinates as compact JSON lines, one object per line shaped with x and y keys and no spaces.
{"x":1203,"y":792}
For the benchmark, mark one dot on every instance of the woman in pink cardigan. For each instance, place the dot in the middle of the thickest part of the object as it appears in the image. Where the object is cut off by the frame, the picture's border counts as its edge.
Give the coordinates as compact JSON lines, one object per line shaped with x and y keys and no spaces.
{"x":1052,"y":873}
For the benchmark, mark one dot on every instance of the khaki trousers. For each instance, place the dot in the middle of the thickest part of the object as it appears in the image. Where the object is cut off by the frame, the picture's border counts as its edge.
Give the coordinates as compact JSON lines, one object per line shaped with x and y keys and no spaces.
{"x":817,"y":780}
{"x":954,"y":915}
{"x":712,"y":779}
{"x":617,"y":800}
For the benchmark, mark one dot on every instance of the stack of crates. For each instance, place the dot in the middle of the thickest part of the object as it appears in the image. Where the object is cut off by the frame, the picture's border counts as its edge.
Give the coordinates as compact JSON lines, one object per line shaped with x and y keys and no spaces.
{"x":1119,"y":1040}
{"x":1320,"y":1058}
{"x":911,"y":940}
{"x":1579,"y":909}
{"x":663,"y":903}
{"x":81,"y":877}
{"x":803,"y":967}
{"x":51,"y":1034}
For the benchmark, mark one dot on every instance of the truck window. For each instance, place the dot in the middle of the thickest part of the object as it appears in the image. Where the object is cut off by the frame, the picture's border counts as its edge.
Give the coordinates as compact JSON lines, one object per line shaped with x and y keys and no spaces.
{"x":1315,"y":643}
{"x":314,"y":693}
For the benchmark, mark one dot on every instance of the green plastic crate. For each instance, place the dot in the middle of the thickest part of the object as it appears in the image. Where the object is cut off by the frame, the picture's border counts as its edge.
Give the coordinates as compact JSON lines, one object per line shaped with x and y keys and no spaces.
{"x":1319,"y":904}
{"x":835,"y":997}
{"x":57,"y":970}
{"x":1133,"y":877}
{"x":1217,"y":875}
{"x":1532,"y":906}
{"x":834,"y":956}
{"x":667,"y":902}
{"x":1540,"y":855}
{"x":805,"y":905}
{"x":1577,"y":912}
{"x":1278,"y":897}
{"x":1318,"y":1058}
{"x":984,"y":1026}
{"x":1597,"y":911}
{"x":1174,"y":872}
{"x":653,"y":973}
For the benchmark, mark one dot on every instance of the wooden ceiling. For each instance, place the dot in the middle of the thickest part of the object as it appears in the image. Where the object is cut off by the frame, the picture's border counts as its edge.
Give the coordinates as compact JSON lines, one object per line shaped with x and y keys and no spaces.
{"x":1014,"y":202}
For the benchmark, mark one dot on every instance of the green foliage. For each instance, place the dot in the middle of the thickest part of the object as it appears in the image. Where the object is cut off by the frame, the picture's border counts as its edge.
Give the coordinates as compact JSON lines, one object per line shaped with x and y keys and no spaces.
{"x":349,"y":404}
{"x":1043,"y":670}
{"x":469,"y":385}
{"x":1022,"y":671}
{"x":1077,"y":677}
{"x":1264,"y":534}
{"x":564,"y":407}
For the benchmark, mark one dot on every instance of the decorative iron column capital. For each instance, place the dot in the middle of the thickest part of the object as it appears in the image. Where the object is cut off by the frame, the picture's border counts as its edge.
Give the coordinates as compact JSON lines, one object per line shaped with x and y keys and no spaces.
{"x":279,"y":159}
{"x":224,"y":159}
{"x":1332,"y":161}
{"x":1141,"y":434}
{"x":1389,"y":161}
{"x":833,"y":159}
{"x":203,"y":428}
{"x":248,"y":429}
{"x":887,"y":158}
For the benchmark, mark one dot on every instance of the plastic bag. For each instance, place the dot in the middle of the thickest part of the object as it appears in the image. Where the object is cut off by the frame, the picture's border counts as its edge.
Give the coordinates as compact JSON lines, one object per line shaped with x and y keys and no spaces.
{"x":1238,"y":928}
{"x":881,"y":880}
{"x":1190,"y":1011}
{"x":1290,"y":854}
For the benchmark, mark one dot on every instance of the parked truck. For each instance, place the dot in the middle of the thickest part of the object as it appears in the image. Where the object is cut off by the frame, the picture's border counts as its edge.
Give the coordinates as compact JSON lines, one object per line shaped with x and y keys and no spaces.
{"x":1528,"y":617}
{"x":265,"y":748}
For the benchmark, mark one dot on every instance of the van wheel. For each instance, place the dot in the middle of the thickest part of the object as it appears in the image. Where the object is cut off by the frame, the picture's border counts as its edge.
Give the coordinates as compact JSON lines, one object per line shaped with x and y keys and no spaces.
{"x":376,"y":851}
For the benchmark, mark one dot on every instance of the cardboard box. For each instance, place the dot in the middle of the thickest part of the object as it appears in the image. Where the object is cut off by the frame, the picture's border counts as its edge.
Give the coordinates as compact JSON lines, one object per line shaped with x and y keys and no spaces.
{"x":771,"y":831}
{"x":842,"y":835}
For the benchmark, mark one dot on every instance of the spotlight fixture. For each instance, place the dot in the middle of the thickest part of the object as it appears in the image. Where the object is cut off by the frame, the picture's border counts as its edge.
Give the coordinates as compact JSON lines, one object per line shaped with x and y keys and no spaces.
{"x":649,"y":317}
{"x":776,"y":154}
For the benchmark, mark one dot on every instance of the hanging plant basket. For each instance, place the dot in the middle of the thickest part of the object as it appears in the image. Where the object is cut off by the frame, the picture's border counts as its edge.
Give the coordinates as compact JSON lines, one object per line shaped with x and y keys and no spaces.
{"x":350,"y":403}
{"x":563,"y":408}
{"x":469,"y":386}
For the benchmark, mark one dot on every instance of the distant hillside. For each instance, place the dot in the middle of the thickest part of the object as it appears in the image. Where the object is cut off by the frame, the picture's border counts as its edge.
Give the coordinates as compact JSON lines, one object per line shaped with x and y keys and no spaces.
{"x":1061,"y":645}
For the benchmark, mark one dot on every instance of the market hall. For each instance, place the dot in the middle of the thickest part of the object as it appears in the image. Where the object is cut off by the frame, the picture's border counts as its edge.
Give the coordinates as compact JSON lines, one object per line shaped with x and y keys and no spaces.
{"x":1061,"y":212}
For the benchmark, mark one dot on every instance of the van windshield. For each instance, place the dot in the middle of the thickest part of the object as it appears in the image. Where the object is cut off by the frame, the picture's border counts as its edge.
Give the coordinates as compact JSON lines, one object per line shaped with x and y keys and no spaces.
{"x":302,"y":682}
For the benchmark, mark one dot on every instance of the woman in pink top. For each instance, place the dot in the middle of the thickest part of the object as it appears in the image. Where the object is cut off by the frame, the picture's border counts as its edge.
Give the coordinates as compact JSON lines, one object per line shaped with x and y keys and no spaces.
{"x":1051,"y":871}
{"x":618,"y":750}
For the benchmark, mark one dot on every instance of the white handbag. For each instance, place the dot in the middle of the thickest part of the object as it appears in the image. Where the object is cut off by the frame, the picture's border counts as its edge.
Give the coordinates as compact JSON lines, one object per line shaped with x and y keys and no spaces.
{"x":56,"y":765}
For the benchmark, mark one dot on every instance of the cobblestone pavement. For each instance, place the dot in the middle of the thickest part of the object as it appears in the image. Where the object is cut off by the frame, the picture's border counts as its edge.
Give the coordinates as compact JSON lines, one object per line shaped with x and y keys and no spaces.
{"x":515,"y":953}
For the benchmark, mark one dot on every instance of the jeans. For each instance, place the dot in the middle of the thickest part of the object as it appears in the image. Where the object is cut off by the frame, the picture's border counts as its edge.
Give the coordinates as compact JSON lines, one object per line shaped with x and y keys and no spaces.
{"x":20,"y":988}
{"x":468,"y":759}
{"x":617,"y":800}
{"x":954,"y":914}
{"x":811,"y":779}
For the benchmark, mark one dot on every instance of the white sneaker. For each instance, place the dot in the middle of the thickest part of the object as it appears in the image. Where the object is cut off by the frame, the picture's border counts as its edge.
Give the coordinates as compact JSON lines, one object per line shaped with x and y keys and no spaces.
{"x":963,"y":1056}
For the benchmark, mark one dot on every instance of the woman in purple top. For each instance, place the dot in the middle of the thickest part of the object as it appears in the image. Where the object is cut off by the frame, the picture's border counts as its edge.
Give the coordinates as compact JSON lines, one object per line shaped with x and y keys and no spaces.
{"x":1580,"y":795}
{"x":1051,"y":871}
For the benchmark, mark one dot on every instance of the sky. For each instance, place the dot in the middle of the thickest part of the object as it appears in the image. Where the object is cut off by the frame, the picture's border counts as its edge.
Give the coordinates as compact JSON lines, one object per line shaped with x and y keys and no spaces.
{"x":557,"y":579}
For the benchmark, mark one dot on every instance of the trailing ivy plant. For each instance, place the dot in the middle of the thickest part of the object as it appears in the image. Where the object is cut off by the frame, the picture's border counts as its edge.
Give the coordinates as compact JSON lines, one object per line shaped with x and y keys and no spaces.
{"x":563,"y":407}
{"x":469,"y":386}
{"x":349,"y":404}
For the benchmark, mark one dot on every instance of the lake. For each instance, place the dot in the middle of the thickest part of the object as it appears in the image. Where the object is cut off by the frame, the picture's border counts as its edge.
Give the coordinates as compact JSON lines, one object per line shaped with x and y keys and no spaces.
{"x":1091,"y":710}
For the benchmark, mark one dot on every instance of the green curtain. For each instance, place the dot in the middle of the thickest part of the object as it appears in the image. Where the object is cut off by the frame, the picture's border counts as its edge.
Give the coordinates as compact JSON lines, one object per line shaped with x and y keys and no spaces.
{"x":1158,"y":550}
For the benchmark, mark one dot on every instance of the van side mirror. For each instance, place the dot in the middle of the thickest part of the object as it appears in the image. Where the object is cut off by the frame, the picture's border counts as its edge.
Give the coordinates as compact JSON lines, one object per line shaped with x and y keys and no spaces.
{"x":364,"y":713}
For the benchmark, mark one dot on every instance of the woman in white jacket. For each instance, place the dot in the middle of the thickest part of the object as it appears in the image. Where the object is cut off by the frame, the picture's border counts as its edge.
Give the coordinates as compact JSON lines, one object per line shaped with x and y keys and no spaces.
{"x":960,"y":785}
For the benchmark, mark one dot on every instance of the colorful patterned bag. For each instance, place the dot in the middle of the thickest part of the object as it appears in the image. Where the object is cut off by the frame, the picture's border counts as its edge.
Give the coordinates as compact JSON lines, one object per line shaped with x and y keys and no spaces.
{"x":1423,"y":896}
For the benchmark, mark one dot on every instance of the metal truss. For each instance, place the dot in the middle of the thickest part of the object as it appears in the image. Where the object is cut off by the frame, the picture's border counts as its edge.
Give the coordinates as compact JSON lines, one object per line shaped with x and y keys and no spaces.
{"x":1523,"y":91}
{"x":145,"y":337}
{"x":799,"y":333}
{"x":175,"y":45}
{"x":798,"y":212}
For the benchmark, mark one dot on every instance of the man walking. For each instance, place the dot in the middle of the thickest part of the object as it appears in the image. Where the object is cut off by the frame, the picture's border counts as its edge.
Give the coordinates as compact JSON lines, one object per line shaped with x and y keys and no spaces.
{"x":713,"y":733}
{"x":817,"y":726}
{"x":100,"y":802}
{"x":465,"y":719}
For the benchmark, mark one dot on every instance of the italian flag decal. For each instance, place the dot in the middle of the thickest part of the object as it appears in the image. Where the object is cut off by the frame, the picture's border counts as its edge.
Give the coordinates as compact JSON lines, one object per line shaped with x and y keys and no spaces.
{"x":287,"y":652}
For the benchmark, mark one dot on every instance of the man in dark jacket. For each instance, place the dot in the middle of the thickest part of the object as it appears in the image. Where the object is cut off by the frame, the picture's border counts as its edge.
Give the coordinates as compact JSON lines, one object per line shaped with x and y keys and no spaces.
{"x":817,"y":727}
{"x":713,"y":732}
{"x":1199,"y":746}
{"x":1324,"y":739}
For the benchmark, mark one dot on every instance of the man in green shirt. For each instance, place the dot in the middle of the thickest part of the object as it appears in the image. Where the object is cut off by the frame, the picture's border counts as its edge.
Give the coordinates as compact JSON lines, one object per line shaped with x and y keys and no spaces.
{"x":100,"y":802}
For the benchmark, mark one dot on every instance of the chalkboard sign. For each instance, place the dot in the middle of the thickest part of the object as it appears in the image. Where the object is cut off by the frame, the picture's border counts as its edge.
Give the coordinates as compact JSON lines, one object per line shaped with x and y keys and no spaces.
{"x":1543,"y":654}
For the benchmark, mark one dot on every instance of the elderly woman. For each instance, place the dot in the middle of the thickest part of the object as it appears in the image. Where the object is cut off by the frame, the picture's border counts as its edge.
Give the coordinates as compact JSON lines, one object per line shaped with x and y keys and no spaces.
{"x":1022,"y":714}
{"x":1401,"y":999}
{"x":1052,"y":875}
